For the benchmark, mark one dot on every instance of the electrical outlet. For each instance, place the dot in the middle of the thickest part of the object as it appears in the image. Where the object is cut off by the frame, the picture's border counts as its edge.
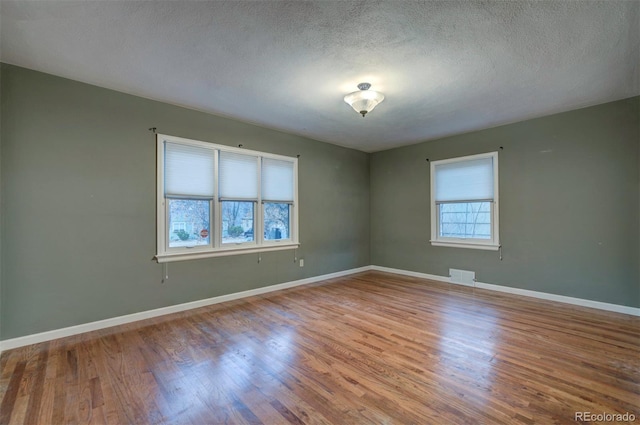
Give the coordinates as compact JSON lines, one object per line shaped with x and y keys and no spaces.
{"x":301,"y":261}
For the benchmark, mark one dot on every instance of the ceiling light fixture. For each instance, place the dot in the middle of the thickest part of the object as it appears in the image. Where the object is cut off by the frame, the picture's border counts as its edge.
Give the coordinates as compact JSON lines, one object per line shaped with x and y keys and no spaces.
{"x":364,"y":100}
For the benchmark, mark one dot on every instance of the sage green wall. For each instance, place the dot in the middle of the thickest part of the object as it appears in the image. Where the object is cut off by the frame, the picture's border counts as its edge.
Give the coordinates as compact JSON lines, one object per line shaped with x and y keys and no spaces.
{"x":569,"y":205}
{"x":78,"y":205}
{"x":78,"y":196}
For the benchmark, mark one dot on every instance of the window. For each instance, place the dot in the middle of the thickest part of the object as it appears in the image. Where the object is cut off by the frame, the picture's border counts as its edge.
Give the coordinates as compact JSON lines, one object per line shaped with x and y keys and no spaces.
{"x":464,"y":202}
{"x":238,"y":182}
{"x":177,"y":226}
{"x":277,"y":198}
{"x":216,"y":200}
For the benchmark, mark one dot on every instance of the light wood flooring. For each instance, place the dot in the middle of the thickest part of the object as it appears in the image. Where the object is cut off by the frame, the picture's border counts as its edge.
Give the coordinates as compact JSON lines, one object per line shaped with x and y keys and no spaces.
{"x":371,"y":348}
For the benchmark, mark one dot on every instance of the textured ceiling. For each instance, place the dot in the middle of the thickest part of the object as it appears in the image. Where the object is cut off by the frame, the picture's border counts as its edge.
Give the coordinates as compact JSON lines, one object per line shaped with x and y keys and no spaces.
{"x":445,"y":67}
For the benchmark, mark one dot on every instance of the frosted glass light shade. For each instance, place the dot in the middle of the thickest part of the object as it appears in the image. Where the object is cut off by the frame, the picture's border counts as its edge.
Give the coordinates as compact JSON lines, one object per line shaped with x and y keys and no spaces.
{"x":363,"y":101}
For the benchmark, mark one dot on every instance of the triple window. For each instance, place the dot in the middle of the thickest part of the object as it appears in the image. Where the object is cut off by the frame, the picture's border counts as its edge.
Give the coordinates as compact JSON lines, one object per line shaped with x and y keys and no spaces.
{"x":464,"y":202}
{"x":215,"y":200}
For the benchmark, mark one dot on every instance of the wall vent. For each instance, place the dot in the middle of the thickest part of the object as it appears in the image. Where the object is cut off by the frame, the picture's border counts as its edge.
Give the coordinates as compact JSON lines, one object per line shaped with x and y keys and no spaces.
{"x":462,"y":277}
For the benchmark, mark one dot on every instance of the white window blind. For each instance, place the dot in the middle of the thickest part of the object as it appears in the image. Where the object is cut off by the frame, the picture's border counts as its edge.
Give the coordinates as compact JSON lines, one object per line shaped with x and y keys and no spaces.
{"x":189,"y":171}
{"x":238,"y":176}
{"x":464,"y":180}
{"x":277,"y":180}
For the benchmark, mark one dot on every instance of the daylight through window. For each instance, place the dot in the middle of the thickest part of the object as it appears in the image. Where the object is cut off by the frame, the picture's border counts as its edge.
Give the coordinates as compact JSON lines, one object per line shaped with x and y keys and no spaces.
{"x":215,"y":200}
{"x":464,"y":202}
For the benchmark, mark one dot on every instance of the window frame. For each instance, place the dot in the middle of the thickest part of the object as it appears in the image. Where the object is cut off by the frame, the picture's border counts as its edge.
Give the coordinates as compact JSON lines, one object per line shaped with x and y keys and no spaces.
{"x":216,"y":248}
{"x":194,"y":248}
{"x":226,"y":245}
{"x":274,"y":242}
{"x":182,"y":227}
{"x":492,"y":244}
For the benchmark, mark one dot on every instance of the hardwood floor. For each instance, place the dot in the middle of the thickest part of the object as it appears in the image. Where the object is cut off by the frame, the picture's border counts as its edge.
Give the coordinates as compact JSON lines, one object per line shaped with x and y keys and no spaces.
{"x":372,"y":348}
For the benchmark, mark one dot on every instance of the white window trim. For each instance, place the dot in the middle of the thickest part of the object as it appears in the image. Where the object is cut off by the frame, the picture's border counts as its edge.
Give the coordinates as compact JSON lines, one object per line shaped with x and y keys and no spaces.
{"x":216,"y":248}
{"x":492,"y":244}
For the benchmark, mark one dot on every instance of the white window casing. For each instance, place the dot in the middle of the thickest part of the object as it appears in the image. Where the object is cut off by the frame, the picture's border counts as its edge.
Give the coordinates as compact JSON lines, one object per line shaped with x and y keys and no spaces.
{"x":465,"y":191}
{"x":191,"y":170}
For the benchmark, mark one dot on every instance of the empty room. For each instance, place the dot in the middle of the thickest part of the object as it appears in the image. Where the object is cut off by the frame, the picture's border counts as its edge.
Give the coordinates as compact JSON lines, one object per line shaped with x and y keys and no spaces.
{"x":319,"y":212}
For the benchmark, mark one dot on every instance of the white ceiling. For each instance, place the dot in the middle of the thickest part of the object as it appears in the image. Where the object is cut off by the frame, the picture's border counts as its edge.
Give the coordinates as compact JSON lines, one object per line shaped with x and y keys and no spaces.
{"x":445,"y":67}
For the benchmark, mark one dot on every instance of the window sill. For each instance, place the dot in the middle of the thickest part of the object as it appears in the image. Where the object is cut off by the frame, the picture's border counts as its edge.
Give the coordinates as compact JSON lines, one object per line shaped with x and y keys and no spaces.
{"x":182,"y":256}
{"x":486,"y":247}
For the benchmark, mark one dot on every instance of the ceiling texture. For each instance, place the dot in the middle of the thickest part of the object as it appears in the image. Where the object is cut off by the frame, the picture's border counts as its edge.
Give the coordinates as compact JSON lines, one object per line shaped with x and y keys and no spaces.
{"x":445,"y":67}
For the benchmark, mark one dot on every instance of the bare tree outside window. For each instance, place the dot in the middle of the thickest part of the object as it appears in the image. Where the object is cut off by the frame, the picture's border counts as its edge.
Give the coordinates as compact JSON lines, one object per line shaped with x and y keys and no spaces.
{"x":191,"y":216}
{"x":465,"y":220}
{"x":276,"y":221}
{"x":237,"y":221}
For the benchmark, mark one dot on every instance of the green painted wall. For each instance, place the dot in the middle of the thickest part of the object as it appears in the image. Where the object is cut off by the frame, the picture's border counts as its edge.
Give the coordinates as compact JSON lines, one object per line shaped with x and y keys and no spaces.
{"x":569,"y":205}
{"x":78,"y":205}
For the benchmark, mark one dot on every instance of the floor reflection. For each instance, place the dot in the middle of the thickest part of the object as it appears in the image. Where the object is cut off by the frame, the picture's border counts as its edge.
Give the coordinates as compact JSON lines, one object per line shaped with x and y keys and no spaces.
{"x":467,"y":338}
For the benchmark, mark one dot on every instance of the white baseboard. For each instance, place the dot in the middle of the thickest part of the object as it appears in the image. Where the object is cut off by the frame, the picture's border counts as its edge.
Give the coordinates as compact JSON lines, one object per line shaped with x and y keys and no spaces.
{"x":633,"y":311}
{"x":412,"y":274}
{"x":129,"y":318}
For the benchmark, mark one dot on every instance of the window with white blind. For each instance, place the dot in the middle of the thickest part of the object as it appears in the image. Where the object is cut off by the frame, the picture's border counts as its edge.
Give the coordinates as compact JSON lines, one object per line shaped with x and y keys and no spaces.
{"x":216,"y":200}
{"x":277,"y":198}
{"x":464,"y":202}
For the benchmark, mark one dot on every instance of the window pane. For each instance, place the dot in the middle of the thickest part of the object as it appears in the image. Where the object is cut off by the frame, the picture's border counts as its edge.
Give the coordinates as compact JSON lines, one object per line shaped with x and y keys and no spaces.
{"x":189,"y":222}
{"x":237,"y":222}
{"x":277,"y":221}
{"x":465,"y":220}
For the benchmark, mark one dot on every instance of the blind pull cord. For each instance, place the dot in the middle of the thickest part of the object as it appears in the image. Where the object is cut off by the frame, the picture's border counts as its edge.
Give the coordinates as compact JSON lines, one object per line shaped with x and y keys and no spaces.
{"x":165,"y":272}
